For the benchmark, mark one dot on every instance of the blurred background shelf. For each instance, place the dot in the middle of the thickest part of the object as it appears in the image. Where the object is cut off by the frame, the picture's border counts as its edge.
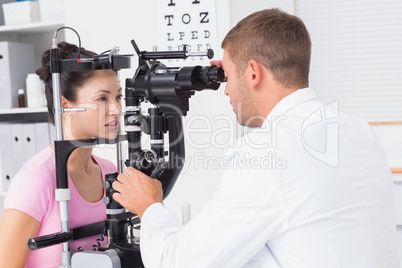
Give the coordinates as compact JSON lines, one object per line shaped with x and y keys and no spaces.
{"x":23,"y":110}
{"x":24,"y":115}
{"x":31,"y":28}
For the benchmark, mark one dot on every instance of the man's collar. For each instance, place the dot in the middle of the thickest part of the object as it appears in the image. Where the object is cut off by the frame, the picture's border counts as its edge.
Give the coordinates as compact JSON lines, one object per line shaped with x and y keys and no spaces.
{"x":292,"y":100}
{"x":286,"y":104}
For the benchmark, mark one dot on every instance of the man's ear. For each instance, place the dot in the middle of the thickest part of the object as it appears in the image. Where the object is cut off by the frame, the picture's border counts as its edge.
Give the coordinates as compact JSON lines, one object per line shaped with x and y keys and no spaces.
{"x":254,"y":74}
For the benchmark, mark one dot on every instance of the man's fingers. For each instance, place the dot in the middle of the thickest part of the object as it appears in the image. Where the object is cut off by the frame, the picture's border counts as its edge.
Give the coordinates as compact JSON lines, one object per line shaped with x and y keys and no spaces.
{"x":131,"y":174}
{"x":117,"y":197}
{"x":134,"y":173}
{"x":121,"y":178}
{"x":130,"y":171}
{"x":136,"y":191}
{"x":116,"y":185}
{"x":216,"y":62}
{"x":130,"y":178}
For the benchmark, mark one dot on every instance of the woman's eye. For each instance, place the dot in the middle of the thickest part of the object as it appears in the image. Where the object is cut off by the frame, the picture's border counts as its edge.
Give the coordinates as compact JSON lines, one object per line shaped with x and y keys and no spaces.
{"x":120,"y":97}
{"x":101,"y":99}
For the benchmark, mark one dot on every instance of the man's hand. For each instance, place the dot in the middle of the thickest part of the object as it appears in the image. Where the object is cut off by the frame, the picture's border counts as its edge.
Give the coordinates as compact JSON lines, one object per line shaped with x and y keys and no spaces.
{"x":215,"y":62}
{"x":137,"y":191}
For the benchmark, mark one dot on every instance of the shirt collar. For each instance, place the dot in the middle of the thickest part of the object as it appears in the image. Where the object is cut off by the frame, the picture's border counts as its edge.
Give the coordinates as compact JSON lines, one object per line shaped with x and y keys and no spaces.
{"x":286,"y":104}
{"x":293,"y":100}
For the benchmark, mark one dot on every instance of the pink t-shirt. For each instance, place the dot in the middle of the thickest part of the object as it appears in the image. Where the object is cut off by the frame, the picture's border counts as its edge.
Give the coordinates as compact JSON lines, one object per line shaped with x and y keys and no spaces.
{"x":33,"y":191}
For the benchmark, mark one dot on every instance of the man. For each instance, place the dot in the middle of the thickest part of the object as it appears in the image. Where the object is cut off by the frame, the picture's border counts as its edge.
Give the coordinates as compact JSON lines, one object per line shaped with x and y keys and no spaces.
{"x":317,"y":191}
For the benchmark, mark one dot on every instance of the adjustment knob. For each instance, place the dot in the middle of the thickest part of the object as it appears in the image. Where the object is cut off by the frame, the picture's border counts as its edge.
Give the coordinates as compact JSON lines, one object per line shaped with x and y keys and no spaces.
{"x":107,"y":200}
{"x":107,"y":185}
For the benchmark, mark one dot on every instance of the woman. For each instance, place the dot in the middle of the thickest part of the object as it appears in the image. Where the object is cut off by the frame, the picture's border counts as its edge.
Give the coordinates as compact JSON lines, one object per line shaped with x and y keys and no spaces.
{"x":30,"y":209}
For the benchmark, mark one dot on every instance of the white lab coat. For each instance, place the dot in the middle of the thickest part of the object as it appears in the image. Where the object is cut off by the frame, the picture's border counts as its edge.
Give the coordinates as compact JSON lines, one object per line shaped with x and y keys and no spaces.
{"x":311,"y":188}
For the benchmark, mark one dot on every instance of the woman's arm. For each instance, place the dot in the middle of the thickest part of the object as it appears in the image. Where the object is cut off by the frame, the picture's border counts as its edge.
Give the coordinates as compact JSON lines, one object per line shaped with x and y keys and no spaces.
{"x":16,"y":228}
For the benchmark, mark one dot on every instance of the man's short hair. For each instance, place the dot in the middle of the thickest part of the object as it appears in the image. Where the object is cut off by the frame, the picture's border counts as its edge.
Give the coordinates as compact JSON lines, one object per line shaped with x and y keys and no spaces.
{"x":277,"y":40}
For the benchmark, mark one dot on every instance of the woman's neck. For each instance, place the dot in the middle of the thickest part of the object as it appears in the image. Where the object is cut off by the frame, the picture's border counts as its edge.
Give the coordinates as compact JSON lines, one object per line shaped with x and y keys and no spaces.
{"x":80,"y":159}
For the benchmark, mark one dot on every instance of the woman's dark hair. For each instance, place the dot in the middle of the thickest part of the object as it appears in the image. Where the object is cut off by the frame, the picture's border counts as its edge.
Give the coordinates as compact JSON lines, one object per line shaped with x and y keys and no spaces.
{"x":70,"y":81}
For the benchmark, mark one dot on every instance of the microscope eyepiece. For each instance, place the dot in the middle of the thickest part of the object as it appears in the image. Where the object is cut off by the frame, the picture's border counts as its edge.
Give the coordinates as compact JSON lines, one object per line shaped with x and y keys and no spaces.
{"x":214,"y":74}
{"x":160,"y":84}
{"x":198,"y":78}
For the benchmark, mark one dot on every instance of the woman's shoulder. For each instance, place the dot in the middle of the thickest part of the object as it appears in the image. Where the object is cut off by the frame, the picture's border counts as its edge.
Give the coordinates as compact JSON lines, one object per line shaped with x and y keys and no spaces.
{"x":39,"y":169}
{"x":32,"y":188}
{"x":42,"y":158}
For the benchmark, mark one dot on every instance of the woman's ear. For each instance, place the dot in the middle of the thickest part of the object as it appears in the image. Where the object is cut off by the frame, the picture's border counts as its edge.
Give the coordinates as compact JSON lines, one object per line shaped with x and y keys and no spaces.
{"x":64,"y":102}
{"x":254,"y":74}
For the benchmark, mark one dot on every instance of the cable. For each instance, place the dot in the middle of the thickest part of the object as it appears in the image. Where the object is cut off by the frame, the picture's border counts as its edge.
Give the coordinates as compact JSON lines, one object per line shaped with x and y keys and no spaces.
{"x":104,"y":52}
{"x":102,"y":238}
{"x":54,"y":45}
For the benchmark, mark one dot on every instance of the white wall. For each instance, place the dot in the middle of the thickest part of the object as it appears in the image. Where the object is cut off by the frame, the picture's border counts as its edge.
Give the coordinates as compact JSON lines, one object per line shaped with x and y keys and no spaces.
{"x":103,"y":24}
{"x":240,"y":8}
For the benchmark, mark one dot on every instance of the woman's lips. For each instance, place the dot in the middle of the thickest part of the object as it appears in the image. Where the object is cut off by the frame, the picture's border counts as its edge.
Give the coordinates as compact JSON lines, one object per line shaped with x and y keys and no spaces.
{"x":112,"y":124}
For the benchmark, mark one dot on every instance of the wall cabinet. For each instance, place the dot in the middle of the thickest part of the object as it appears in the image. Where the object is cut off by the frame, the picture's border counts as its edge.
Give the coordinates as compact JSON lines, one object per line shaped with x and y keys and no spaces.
{"x":23,"y":133}
{"x":39,"y":34}
{"x":24,"y":124}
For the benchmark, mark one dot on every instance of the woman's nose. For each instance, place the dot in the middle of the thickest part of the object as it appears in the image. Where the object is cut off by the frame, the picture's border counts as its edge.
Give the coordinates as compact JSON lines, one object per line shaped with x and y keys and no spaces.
{"x":114,"y":108}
